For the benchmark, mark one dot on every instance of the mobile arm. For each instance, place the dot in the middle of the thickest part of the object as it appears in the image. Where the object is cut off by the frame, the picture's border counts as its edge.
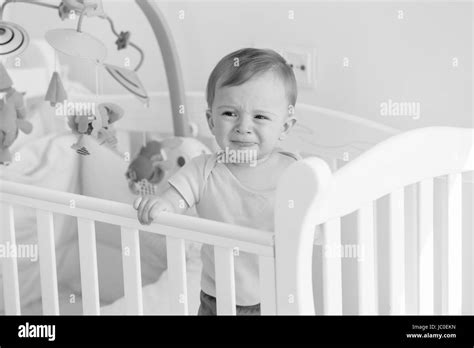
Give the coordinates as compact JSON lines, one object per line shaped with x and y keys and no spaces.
{"x":172,"y":66}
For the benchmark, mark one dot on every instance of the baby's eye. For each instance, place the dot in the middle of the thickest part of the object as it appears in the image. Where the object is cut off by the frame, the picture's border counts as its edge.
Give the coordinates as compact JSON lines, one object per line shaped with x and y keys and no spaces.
{"x":261,"y":117}
{"x":228,"y":113}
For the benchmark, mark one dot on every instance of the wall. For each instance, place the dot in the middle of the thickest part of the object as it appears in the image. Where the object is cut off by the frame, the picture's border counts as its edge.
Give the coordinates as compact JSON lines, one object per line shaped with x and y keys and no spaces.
{"x":405,"y":60}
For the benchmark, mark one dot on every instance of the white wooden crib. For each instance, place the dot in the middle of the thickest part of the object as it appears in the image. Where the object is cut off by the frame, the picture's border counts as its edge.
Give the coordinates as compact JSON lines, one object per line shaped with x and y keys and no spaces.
{"x":408,"y":168}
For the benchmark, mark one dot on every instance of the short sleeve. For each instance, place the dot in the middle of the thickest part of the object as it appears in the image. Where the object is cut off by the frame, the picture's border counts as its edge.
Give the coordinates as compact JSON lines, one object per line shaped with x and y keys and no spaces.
{"x":190,"y":179}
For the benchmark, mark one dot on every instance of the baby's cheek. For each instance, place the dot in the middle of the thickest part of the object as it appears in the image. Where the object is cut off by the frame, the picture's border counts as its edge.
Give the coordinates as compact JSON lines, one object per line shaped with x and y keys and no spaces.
{"x":270,"y":136}
{"x":221,"y":137}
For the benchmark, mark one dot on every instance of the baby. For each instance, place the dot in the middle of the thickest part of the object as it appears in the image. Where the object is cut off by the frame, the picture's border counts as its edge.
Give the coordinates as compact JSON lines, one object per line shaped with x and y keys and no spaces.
{"x":251,"y":95}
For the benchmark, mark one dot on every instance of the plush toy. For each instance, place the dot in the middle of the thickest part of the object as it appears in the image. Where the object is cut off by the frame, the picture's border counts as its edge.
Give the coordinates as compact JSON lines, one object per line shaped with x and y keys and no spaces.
{"x":91,"y":8}
{"x":157,"y":160}
{"x":98,"y":125}
{"x":12,"y":116}
{"x":142,"y":175}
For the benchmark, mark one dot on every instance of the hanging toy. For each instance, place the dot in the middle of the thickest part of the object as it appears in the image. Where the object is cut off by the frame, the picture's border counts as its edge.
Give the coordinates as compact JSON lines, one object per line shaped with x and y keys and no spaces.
{"x":12,"y":116}
{"x":126,"y":77}
{"x":158,"y":160}
{"x":89,"y":7}
{"x":122,"y":40}
{"x":98,"y":124}
{"x":129,"y":80}
{"x":102,"y":126}
{"x":75,"y":42}
{"x":13,"y":39}
{"x":56,"y":92}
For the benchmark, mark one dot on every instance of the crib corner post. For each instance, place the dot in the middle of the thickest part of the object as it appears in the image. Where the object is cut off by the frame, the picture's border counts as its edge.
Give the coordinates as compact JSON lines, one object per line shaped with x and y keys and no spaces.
{"x":300,"y":189}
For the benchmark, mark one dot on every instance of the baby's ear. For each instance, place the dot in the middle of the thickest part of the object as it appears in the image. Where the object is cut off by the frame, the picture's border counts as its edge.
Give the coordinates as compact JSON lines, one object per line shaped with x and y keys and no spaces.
{"x":289,"y":123}
{"x":210,"y":120}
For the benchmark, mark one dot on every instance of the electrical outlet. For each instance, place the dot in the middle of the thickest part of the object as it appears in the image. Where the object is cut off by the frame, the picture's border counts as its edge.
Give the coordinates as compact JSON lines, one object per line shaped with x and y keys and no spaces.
{"x":302,"y":60}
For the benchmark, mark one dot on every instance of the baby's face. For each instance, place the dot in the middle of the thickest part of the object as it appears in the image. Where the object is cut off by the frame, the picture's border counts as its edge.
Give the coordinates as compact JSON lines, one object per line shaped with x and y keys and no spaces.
{"x":251,"y":116}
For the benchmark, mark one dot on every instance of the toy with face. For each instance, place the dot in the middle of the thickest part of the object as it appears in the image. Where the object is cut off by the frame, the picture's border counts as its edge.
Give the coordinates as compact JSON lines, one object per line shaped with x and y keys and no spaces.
{"x":158,"y":160}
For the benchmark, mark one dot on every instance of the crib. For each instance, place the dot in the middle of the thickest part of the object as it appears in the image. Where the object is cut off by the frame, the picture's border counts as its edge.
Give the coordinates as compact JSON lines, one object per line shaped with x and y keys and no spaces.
{"x":407,"y":168}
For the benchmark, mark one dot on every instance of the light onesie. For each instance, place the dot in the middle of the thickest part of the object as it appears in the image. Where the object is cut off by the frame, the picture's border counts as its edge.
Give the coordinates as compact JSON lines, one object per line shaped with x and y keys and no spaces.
{"x":218,"y":195}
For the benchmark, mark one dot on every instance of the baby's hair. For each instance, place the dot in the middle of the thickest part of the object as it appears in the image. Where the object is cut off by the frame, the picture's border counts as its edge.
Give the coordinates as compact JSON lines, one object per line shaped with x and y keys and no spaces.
{"x":240,"y":66}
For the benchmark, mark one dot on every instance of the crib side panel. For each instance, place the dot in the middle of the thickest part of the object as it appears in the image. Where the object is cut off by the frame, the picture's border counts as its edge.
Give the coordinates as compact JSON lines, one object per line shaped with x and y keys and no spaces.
{"x":404,"y":170}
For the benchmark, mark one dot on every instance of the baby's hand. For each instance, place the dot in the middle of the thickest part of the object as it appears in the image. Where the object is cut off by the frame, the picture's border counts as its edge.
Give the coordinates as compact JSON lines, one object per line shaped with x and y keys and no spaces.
{"x":150,"y":207}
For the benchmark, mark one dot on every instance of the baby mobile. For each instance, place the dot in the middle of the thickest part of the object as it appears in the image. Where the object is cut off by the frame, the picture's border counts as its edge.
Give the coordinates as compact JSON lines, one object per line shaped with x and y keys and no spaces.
{"x":156,"y":160}
{"x":98,"y":120}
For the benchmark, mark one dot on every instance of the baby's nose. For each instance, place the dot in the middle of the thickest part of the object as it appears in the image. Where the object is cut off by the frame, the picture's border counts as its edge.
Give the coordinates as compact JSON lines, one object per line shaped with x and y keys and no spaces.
{"x":244,"y":126}
{"x":241,"y":130}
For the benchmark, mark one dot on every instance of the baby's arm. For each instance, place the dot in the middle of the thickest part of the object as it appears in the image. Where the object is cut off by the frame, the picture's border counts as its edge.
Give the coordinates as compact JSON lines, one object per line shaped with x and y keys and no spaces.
{"x":184,"y":192}
{"x":150,"y":207}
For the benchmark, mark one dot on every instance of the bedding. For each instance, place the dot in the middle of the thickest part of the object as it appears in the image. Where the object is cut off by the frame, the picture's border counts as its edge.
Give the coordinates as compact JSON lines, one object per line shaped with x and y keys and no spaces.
{"x":157,"y":296}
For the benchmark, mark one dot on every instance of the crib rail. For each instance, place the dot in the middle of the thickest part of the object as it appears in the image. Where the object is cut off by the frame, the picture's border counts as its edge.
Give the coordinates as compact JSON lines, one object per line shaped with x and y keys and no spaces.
{"x":224,"y":237}
{"x":407,"y":170}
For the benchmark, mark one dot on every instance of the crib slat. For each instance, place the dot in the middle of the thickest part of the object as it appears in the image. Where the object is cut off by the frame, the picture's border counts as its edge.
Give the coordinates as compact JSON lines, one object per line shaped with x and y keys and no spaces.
{"x":88,"y":263}
{"x":47,"y":253}
{"x":425,"y":247}
{"x":225,"y":280}
{"x":411,"y":248}
{"x":331,"y":268}
{"x":132,"y":274}
{"x":366,"y":266}
{"x":397,"y":251}
{"x":452,"y":220}
{"x":176,"y":255}
{"x":334,"y":164}
{"x":11,"y":289}
{"x":267,"y":285}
